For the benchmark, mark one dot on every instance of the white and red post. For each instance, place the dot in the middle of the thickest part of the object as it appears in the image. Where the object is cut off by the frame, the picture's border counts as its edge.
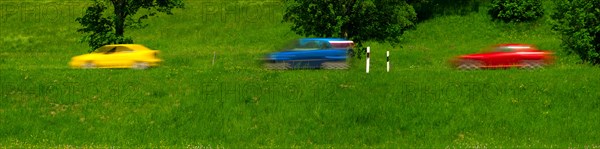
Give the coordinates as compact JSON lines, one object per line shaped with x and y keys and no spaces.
{"x":368,"y":58}
{"x":388,"y":60}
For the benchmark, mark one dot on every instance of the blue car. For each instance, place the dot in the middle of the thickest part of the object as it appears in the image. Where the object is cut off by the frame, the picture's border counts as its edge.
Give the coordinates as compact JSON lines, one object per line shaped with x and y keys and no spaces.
{"x":310,"y":53}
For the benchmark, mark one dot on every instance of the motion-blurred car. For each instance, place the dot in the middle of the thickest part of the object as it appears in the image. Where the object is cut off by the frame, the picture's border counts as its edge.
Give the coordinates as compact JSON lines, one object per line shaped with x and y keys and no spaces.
{"x":118,"y":56}
{"x":324,"y":53}
{"x":506,"y":56}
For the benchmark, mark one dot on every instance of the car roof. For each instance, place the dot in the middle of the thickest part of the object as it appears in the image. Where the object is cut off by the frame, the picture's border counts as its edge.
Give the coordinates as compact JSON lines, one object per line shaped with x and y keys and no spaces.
{"x":130,"y":46}
{"x":516,"y":45}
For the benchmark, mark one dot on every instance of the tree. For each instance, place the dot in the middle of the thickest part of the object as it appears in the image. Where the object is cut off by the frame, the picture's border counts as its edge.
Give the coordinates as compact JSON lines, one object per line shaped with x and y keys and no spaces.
{"x":578,"y":22}
{"x":357,"y":20}
{"x":102,"y":27}
{"x":427,"y":9}
{"x":516,"y":10}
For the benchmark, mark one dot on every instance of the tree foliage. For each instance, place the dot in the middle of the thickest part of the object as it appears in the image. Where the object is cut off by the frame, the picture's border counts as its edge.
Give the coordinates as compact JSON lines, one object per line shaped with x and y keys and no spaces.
{"x":357,"y":20}
{"x":578,"y":21}
{"x":103,"y":26}
{"x":516,"y":10}
{"x":427,"y":9}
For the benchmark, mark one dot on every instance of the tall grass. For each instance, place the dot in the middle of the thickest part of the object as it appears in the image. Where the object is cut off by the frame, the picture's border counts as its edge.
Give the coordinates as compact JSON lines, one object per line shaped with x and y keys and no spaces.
{"x":189,"y":102}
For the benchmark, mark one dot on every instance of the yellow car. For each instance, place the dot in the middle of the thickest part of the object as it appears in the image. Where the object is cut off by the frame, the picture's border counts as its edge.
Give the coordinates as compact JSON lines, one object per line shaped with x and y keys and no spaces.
{"x":118,"y":56}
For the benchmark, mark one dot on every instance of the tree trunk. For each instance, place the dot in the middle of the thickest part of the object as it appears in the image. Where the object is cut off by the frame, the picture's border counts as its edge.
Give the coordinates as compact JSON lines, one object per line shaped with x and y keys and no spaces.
{"x":120,"y":7}
{"x":348,"y":12}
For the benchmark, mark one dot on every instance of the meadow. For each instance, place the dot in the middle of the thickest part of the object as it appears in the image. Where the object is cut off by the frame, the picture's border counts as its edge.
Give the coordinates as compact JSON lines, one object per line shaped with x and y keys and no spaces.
{"x":189,"y":102}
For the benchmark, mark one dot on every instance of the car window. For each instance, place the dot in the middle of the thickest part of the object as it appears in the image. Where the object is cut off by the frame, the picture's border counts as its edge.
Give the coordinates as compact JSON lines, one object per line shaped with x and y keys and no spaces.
{"x":309,"y":45}
{"x":103,"y":49}
{"x":111,"y":51}
{"x":512,"y":48}
{"x":303,"y":45}
{"x":504,"y":49}
{"x":123,"y":49}
{"x":325,"y":45}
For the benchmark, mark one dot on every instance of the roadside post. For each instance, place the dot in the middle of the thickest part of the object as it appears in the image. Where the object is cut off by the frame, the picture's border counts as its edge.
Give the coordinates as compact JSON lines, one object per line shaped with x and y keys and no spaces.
{"x":388,"y":60}
{"x":368,"y":58}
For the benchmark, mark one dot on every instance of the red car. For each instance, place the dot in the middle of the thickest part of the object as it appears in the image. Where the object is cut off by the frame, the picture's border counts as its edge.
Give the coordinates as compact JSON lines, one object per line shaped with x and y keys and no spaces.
{"x":506,"y":56}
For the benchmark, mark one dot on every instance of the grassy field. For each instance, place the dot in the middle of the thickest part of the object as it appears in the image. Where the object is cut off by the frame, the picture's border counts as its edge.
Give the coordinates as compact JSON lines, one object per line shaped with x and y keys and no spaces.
{"x":189,"y":102}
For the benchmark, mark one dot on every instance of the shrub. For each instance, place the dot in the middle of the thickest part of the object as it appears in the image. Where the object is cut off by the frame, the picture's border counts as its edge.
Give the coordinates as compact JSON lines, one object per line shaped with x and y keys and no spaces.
{"x":516,"y":10}
{"x":578,"y":22}
{"x":427,"y":9}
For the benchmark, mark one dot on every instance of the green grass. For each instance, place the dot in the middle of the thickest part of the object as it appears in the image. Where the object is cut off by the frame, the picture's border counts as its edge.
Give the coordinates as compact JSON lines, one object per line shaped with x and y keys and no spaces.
{"x":188,"y":102}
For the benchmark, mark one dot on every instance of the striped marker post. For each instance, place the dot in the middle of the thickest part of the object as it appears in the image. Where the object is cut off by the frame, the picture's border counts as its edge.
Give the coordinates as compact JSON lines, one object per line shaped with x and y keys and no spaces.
{"x":368,"y":57}
{"x":388,"y":61}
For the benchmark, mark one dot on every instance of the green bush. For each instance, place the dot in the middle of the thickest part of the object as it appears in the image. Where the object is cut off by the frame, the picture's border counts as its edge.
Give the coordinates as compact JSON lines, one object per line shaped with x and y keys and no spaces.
{"x":516,"y":10}
{"x":427,"y":9}
{"x":578,"y":21}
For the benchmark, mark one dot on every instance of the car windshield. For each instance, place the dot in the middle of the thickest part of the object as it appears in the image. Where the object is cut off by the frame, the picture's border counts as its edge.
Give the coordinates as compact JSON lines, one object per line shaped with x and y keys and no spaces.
{"x":112,"y":49}
{"x":105,"y":49}
{"x":299,"y":45}
{"x":504,"y":49}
